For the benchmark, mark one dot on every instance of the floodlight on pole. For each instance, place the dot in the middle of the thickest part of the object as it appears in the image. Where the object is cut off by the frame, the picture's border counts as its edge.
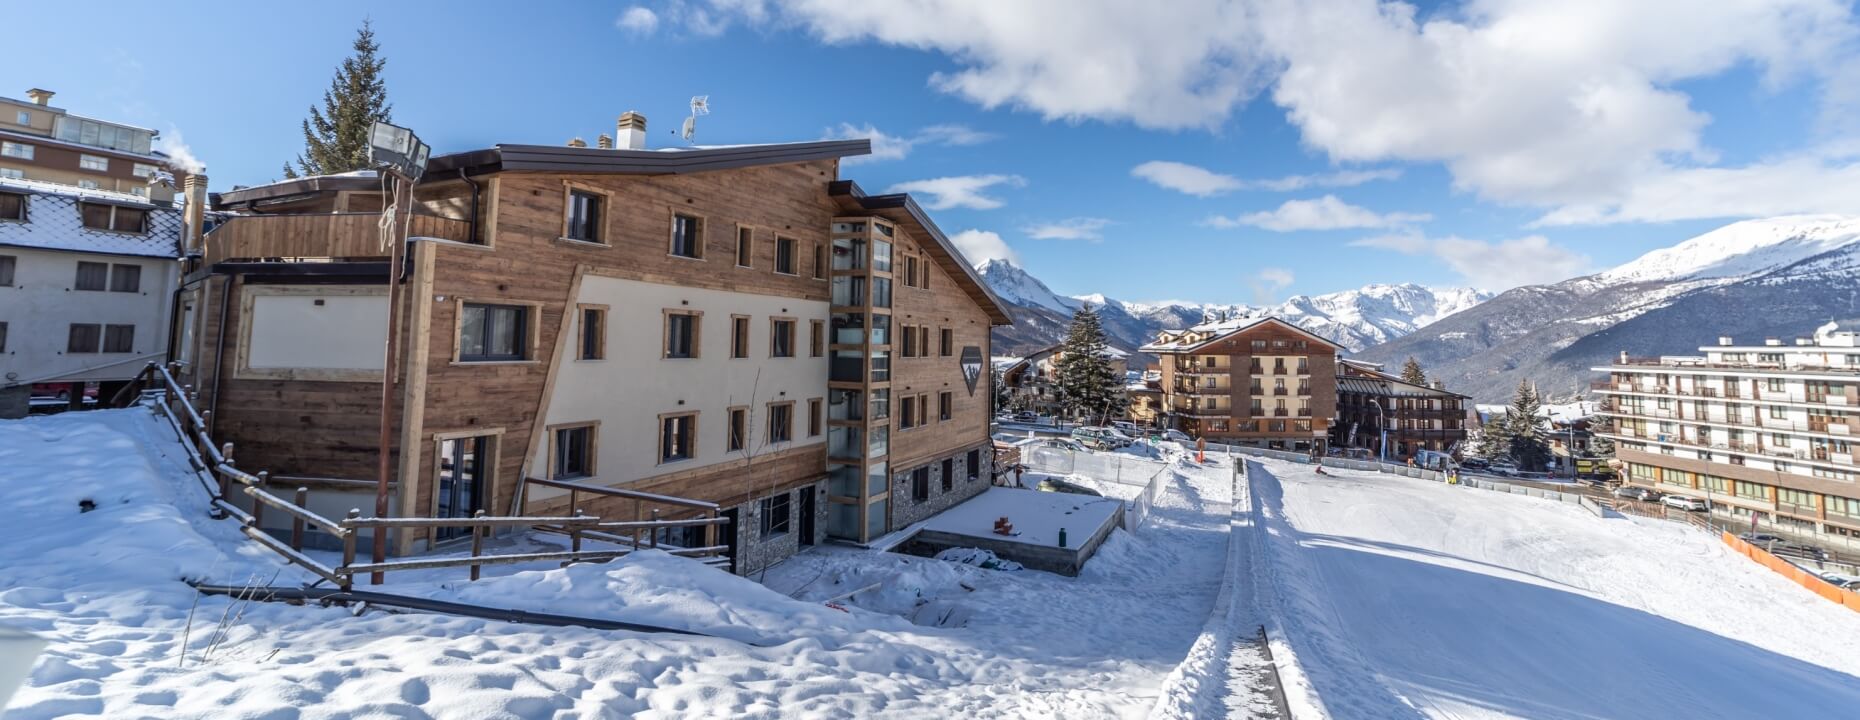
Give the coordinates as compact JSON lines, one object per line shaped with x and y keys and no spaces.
{"x":397,"y":149}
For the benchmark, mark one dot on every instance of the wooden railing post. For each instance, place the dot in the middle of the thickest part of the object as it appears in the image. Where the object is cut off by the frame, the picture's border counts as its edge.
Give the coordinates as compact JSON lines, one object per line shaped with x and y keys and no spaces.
{"x":574,"y":502}
{"x":477,"y":544}
{"x":348,"y":547}
{"x":654,"y":533}
{"x":297,"y":523}
{"x":574,"y":534}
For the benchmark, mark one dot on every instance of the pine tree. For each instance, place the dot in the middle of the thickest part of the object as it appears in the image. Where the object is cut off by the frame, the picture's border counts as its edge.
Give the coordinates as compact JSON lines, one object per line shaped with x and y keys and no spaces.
{"x":336,"y":136}
{"x":1524,"y":429}
{"x":1083,"y":378}
{"x":1494,"y":440}
{"x":1412,"y":373}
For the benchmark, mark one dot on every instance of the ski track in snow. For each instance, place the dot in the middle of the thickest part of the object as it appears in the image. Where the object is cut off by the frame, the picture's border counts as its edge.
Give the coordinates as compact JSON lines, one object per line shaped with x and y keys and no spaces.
{"x":1405,"y":598}
{"x":106,"y":588}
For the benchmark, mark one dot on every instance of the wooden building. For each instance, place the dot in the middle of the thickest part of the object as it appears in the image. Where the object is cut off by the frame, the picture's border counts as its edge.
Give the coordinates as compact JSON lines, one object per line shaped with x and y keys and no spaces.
{"x":736,"y":325}
{"x":1416,"y":417}
{"x":1252,"y":381}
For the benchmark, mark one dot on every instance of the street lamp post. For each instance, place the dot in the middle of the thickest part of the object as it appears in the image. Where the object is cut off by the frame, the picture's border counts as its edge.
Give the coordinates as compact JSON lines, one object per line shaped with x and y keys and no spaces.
{"x":1382,"y":431}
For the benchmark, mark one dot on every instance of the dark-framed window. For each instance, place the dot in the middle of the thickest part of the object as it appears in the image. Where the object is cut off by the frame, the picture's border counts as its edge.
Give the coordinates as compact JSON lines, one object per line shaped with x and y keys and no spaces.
{"x":813,"y":417}
{"x":775,"y":512}
{"x":781,"y":422}
{"x":781,"y":338}
{"x":745,"y":247}
{"x":816,"y":334}
{"x":739,"y":336}
{"x":587,"y":213}
{"x":681,"y":331}
{"x":945,"y":406}
{"x":910,"y":342}
{"x":2,"y":336}
{"x":908,"y":418}
{"x":784,"y":256}
{"x":593,"y":333}
{"x":949,"y":474}
{"x":947,"y":345}
{"x":676,"y":433}
{"x":975,"y":464}
{"x":688,"y":236}
{"x":12,"y":206}
{"x":92,"y":276}
{"x":8,"y":264}
{"x":84,"y":338}
{"x":97,"y":216}
{"x":126,"y":278}
{"x":490,"y":333}
{"x":738,"y":430}
{"x":119,"y":338}
{"x":920,"y":484}
{"x":574,"y":453}
{"x":910,"y":271}
{"x":820,"y":261}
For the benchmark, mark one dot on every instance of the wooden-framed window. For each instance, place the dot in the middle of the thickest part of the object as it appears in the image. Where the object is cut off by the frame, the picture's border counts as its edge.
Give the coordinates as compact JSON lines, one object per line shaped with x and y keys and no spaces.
{"x":84,"y":338}
{"x":923,"y":341}
{"x":781,"y":337}
{"x":774,"y":511}
{"x":910,"y":342}
{"x":820,"y":261}
{"x":745,"y":247}
{"x":92,"y":276}
{"x":910,"y":271}
{"x":687,"y":236}
{"x":12,"y":207}
{"x":737,"y":434}
{"x":784,"y":257}
{"x":586,"y":218}
{"x":920,"y":484}
{"x":816,"y":338}
{"x":8,"y":264}
{"x":126,"y":278}
{"x":908,"y":418}
{"x":677,"y":437}
{"x":923,"y":409}
{"x":781,"y":422}
{"x":98,"y":216}
{"x":493,"y":333}
{"x":119,"y":338}
{"x":593,"y":336}
{"x":945,"y":406}
{"x":946,"y":345}
{"x":813,"y":416}
{"x":572,"y":450}
{"x":923,"y":280}
{"x":681,"y":333}
{"x":739,"y":336}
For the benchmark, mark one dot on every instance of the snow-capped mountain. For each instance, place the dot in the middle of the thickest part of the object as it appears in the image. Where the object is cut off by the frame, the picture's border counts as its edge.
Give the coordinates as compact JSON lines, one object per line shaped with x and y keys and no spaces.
{"x":1777,"y":277}
{"x":1354,"y":319}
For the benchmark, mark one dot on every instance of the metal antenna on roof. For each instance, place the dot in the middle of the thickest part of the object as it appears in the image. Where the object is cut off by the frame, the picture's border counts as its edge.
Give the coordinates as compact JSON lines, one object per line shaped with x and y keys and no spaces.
{"x":700,"y":105}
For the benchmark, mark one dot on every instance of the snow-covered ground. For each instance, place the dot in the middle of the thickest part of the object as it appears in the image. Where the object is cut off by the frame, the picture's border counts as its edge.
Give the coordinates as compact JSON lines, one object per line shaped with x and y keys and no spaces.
{"x":129,"y":637}
{"x":1406,"y":598}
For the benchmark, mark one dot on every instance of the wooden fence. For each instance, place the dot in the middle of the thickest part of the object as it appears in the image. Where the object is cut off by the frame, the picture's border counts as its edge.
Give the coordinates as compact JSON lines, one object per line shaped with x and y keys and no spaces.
{"x":223,"y":478}
{"x":324,"y":235}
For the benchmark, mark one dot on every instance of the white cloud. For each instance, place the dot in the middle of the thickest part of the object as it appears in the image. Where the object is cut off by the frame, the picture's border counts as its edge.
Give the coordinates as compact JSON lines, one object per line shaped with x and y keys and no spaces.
{"x":894,"y":147}
{"x":1078,"y":228}
{"x":1268,"y":282}
{"x":638,"y":19}
{"x":1325,"y":213}
{"x":1496,"y":266}
{"x":1186,"y":178}
{"x":981,"y":246}
{"x":1341,"y":178}
{"x":964,"y":191}
{"x":1779,"y":187}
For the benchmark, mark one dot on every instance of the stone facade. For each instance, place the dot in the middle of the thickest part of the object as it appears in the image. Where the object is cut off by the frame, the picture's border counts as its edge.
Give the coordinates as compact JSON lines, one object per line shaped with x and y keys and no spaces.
{"x":756,"y":551}
{"x":966,"y":483}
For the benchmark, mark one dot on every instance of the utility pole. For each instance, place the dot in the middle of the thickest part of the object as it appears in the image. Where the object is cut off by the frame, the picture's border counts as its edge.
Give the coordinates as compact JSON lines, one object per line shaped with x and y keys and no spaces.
{"x":397,"y":243}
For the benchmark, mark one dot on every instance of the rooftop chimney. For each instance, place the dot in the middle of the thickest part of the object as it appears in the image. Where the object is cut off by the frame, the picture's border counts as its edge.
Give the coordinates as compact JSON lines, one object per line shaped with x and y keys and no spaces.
{"x":577,"y":142}
{"x":194,"y":191}
{"x":631,"y":129}
{"x":40,"y":96}
{"x":604,"y":142}
{"x":1724,"y":340}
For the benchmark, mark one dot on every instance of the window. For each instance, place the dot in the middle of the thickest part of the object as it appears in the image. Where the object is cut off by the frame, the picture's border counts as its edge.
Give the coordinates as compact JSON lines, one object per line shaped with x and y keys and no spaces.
{"x":12,"y":206}
{"x":784,"y":256}
{"x":745,"y":247}
{"x":139,"y":191}
{"x":688,"y":236}
{"x":12,"y":173}
{"x":23,"y":118}
{"x":774,"y":512}
{"x":975,"y":465}
{"x":816,"y":334}
{"x":947,"y":342}
{"x":142,"y":170}
{"x":739,"y":336}
{"x":910,"y":271}
{"x":88,"y":184}
{"x":910,"y":342}
{"x":93,"y":162}
{"x":675,"y":435}
{"x":781,"y":422}
{"x":908,"y":418}
{"x":586,"y":213}
{"x":16,"y":150}
{"x":2,"y":337}
{"x":92,"y":276}
{"x":820,"y":262}
{"x":593,"y":332}
{"x":920,"y":484}
{"x":945,"y":406}
{"x":813,"y":417}
{"x":738,"y":430}
{"x":491,"y":333}
{"x":7,"y":264}
{"x":949,"y":474}
{"x":126,"y":278}
{"x":781,"y":338}
{"x":681,"y":329}
{"x":110,"y":217}
{"x":574,"y":453}
{"x":119,"y":338}
{"x":84,"y":338}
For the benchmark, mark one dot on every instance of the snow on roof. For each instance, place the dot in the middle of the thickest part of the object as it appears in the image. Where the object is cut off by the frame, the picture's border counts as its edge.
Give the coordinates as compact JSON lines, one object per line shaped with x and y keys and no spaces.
{"x":47,"y":188}
{"x":53,"y":222}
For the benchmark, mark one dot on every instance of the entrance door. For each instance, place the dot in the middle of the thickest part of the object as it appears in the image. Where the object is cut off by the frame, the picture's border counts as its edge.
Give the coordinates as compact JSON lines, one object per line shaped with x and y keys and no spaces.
{"x":463,"y":477}
{"x":806,"y":526}
{"x":729,"y":537}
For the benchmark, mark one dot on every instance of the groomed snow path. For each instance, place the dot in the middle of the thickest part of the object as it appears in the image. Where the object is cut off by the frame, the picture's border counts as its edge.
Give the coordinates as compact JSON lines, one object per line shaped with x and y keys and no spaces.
{"x":1404,"y":598}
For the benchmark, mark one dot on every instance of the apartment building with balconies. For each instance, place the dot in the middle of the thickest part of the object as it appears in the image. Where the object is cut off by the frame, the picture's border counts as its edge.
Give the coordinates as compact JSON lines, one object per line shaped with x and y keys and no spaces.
{"x":1763,"y":431}
{"x":1375,"y":407}
{"x":42,"y":142}
{"x":1254,"y":381}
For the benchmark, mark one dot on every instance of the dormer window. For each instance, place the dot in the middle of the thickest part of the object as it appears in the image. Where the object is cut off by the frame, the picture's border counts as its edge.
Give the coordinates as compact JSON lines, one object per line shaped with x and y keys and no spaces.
{"x":97,"y":216}
{"x":12,"y":207}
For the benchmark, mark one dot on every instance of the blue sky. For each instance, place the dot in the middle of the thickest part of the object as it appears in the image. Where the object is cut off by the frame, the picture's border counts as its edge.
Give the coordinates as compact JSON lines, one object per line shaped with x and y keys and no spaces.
{"x":1333,"y":143}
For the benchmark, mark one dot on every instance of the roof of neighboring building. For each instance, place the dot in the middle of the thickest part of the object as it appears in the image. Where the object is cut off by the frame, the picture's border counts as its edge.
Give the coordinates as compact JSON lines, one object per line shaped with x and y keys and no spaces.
{"x":1386,"y":385}
{"x":53,"y":222}
{"x":903,"y":209}
{"x":662,"y":161}
{"x":1216,"y":331}
{"x":354,"y":180}
{"x":155,"y":156}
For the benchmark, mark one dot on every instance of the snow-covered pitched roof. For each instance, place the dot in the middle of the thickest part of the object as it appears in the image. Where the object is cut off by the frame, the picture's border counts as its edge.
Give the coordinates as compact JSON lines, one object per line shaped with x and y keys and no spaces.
{"x":1199,"y":335}
{"x":53,"y":222}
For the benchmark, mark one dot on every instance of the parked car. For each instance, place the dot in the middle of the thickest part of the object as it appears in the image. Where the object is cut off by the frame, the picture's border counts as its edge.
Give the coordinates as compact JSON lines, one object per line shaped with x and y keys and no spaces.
{"x":1636,"y":493}
{"x":1474,"y":464}
{"x":1178,"y":436}
{"x":1062,"y":486}
{"x":1760,"y":539}
{"x":63,"y":391}
{"x":1503,"y":468}
{"x":1100,"y":438}
{"x":1684,"y":503}
{"x":1026,"y":416}
{"x":1853,"y":585}
{"x":1799,"y":550}
{"x":1128,"y":428}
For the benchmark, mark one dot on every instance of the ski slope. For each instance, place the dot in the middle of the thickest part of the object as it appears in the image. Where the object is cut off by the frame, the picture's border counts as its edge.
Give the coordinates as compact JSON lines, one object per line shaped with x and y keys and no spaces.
{"x":1410,"y":599}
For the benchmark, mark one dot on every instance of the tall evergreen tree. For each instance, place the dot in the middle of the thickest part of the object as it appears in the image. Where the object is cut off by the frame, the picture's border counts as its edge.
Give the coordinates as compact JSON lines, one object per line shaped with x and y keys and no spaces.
{"x":1083,"y":377}
{"x":1412,"y":373}
{"x":1494,"y":440}
{"x":1525,"y":429}
{"x":336,"y":136}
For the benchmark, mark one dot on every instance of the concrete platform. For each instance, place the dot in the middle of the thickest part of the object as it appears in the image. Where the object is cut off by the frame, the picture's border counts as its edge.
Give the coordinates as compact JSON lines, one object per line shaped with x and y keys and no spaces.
{"x":1037,"y":518}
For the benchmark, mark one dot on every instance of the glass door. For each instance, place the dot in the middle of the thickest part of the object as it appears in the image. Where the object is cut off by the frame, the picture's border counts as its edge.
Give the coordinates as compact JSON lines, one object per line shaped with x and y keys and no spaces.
{"x":462,"y":482}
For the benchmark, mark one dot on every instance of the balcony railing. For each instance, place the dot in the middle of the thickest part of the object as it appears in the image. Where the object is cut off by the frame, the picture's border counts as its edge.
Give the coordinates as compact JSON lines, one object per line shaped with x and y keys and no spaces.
{"x":1278,"y":412}
{"x":1279,"y":391}
{"x":332,"y":236}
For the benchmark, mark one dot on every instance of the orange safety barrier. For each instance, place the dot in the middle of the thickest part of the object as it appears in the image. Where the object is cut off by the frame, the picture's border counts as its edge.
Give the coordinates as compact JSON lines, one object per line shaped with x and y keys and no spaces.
{"x":1847,"y":598}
